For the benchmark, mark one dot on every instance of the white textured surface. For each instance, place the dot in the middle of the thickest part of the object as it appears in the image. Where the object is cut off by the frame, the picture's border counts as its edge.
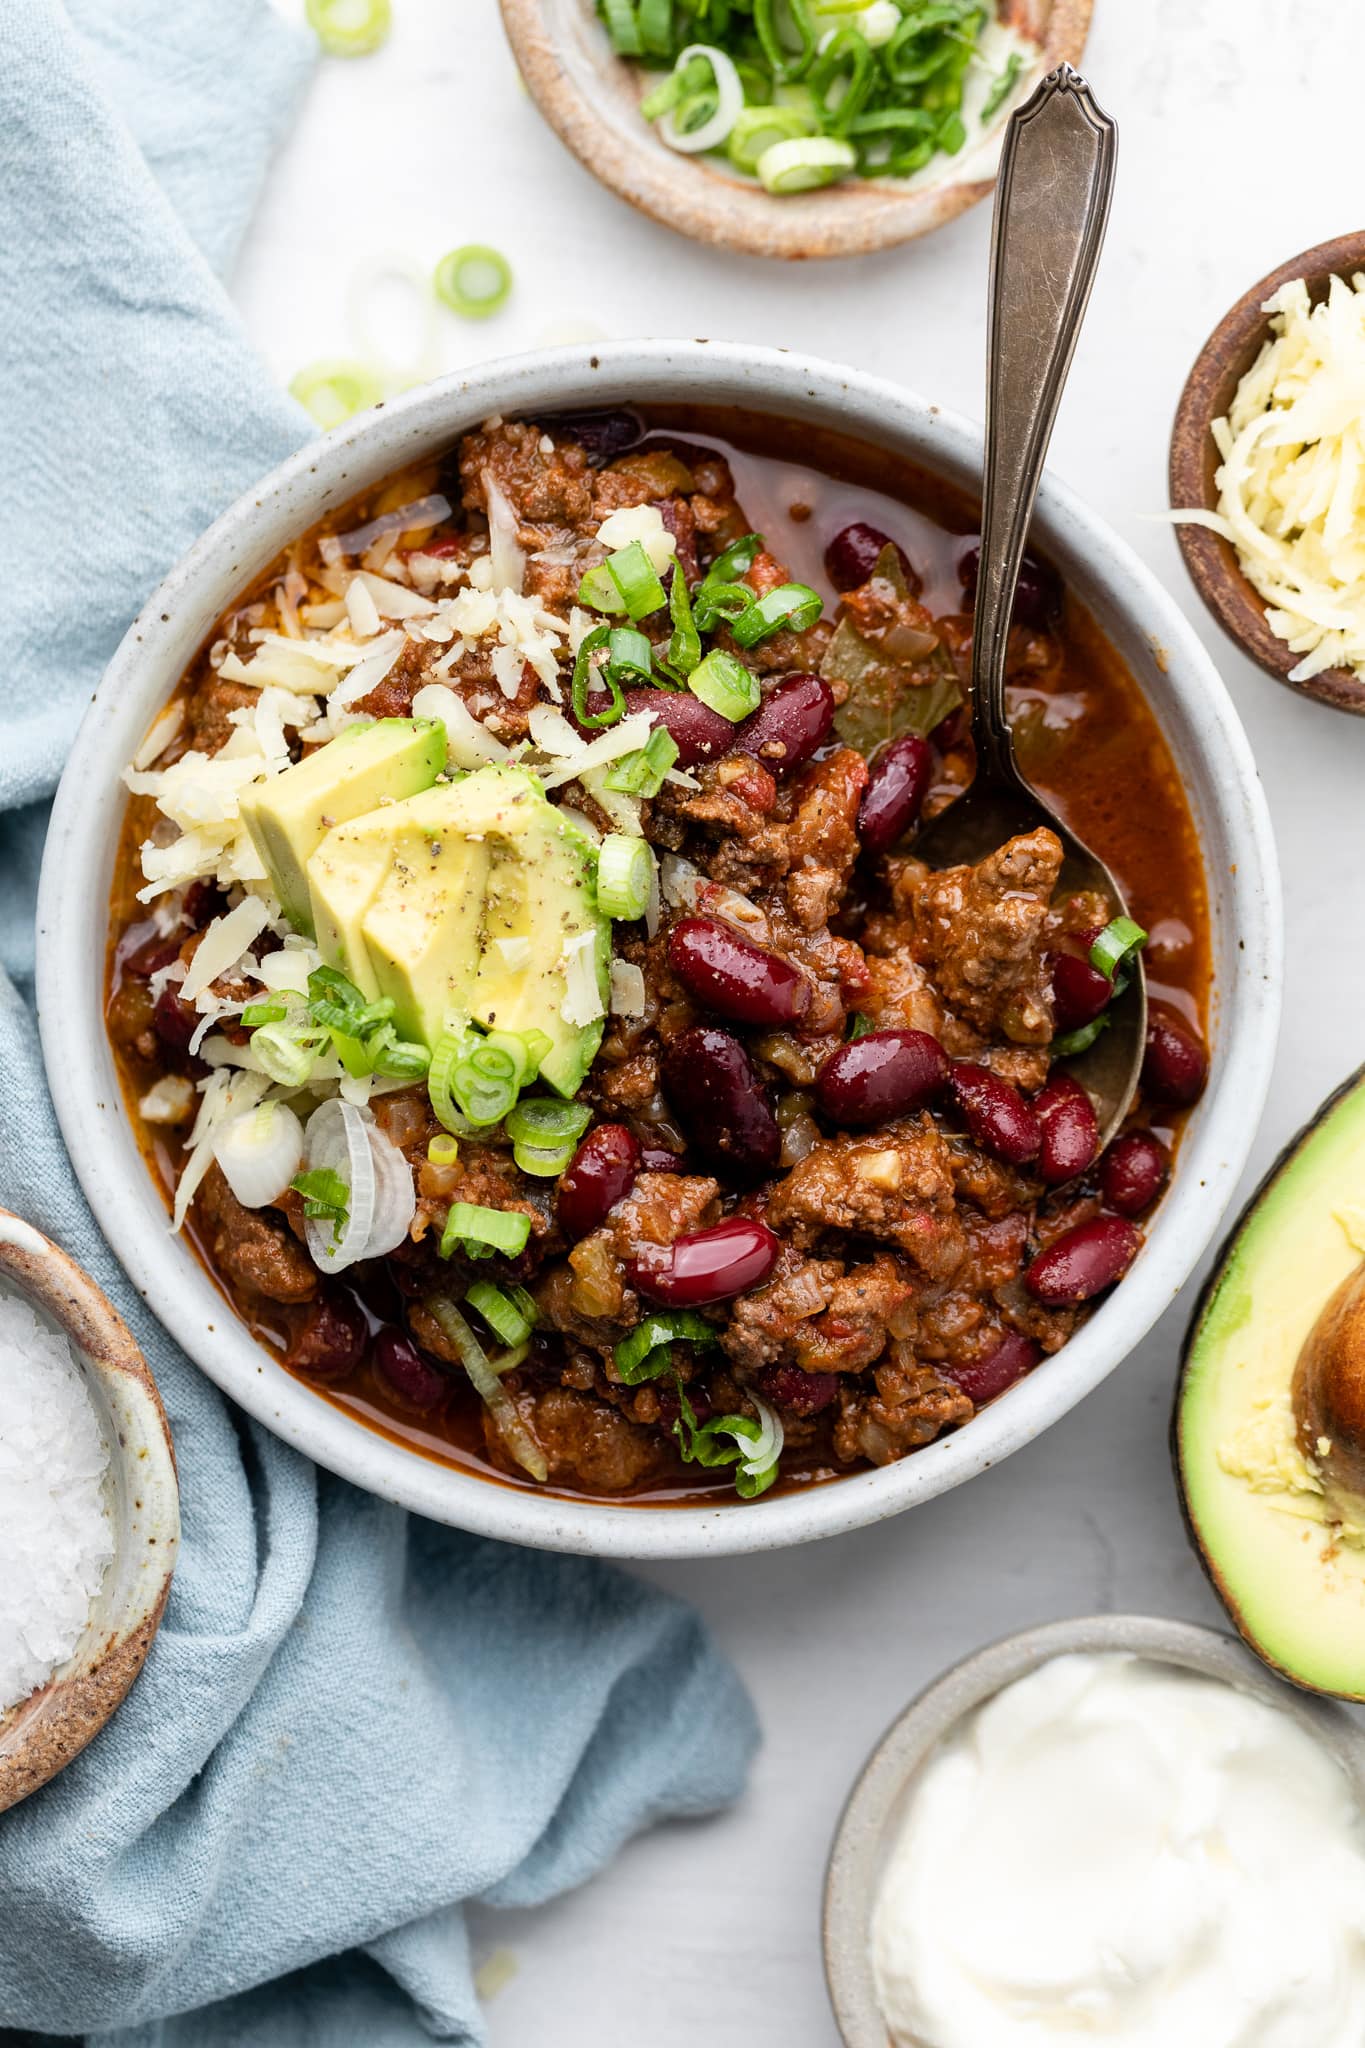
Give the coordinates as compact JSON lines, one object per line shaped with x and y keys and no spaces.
{"x":709,"y":1934}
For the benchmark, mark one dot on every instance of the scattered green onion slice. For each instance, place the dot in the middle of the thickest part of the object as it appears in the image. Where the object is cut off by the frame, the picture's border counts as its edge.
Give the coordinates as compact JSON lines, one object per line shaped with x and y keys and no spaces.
{"x":703,"y":118}
{"x":842,"y":78}
{"x":623,"y":27}
{"x":629,"y":655}
{"x":445,"y":1057}
{"x":474,"y":281}
{"x":642,"y":773}
{"x":325,"y":1196}
{"x":499,"y":1311}
{"x":535,"y":1045}
{"x":802,"y":165}
{"x":725,"y":685}
{"x":545,"y":1134}
{"x":733,"y":562}
{"x":1116,"y":944}
{"x":655,"y":22}
{"x":526,"y":1305}
{"x":480,"y":1232}
{"x":397,"y":1059}
{"x":350,"y":28}
{"x":1004,"y":85}
{"x":627,"y":581}
{"x":758,"y":128}
{"x":281,"y":1055}
{"x":646,"y":1352}
{"x":791,"y":607}
{"x":624,"y":870}
{"x":256,"y":1014}
{"x":684,"y":644}
{"x":487,"y":1383}
{"x":335,"y":391}
{"x":1073,"y":1042}
{"x":786,"y":34}
{"x":443,"y":1150}
{"x":756,"y":1448}
{"x":588,"y":676}
{"x":731,"y":602}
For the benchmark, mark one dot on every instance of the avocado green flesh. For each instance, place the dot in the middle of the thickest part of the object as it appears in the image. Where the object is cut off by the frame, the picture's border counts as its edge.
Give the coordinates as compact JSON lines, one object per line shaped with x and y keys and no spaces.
{"x":411,"y":901}
{"x":1296,"y":1592}
{"x":363,"y":767}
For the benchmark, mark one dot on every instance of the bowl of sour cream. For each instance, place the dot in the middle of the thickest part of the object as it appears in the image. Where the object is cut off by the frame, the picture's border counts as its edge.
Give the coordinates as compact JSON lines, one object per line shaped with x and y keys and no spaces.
{"x":1116,"y":1829}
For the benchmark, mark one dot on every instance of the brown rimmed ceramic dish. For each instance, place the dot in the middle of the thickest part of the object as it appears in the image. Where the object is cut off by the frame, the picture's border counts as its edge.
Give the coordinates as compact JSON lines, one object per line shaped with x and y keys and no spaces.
{"x":591,"y":98}
{"x":41,"y":1735}
{"x":1219,"y":367}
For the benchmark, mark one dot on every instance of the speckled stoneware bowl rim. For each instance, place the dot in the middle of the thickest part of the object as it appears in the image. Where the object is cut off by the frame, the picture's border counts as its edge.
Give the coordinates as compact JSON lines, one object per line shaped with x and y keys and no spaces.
{"x":1212,"y":561}
{"x":862,"y":1838}
{"x":590,"y":99}
{"x":1149,"y":630}
{"x":40,"y":1737}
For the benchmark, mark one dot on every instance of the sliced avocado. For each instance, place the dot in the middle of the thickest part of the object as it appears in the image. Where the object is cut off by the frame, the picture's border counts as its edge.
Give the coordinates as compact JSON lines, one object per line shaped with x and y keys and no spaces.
{"x":1269,"y":1425}
{"x":363,"y":767}
{"x":486,"y":888}
{"x":344,"y":877}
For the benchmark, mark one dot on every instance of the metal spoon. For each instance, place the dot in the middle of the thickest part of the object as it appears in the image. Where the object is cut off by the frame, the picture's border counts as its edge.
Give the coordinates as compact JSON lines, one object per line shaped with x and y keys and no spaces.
{"x":1051,"y":206}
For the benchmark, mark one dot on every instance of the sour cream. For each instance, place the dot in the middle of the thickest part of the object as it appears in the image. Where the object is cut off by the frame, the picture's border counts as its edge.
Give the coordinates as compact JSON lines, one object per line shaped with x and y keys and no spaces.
{"x":1115,"y":1850}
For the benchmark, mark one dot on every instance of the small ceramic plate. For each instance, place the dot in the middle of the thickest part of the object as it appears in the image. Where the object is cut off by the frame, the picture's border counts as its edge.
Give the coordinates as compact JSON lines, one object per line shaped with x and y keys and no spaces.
{"x":1218,"y":369}
{"x":591,"y":98}
{"x":868,"y":1827}
{"x":40,"y":1736}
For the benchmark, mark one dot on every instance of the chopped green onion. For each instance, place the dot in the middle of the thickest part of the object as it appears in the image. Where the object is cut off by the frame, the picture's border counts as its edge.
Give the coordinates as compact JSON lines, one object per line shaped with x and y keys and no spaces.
{"x":586,"y":677}
{"x":758,"y":128}
{"x":480,"y":1232}
{"x":951,"y":135}
{"x":350,"y":28}
{"x":485,"y":1380}
{"x":627,"y":581}
{"x":802,"y":165}
{"x":501,"y":1314}
{"x":791,"y":607}
{"x":858,"y":1027}
{"x":325,"y":1196}
{"x":846,"y":63}
{"x":445,"y":1057}
{"x":684,"y":644}
{"x":256,"y":1014}
{"x":535,"y":1045}
{"x":1072,"y":1042}
{"x":623,"y":28}
{"x":624,"y":871}
{"x":629,"y":654}
{"x":655,"y":20}
{"x":725,"y":685}
{"x":281,"y":1055}
{"x":732,"y":602}
{"x":1003,"y":87}
{"x":642,"y":773}
{"x":486,"y":1079}
{"x":733,"y":562}
{"x":786,"y":34}
{"x":1120,"y":940}
{"x":545,"y":1134}
{"x":443,"y":1150}
{"x":529,"y":1311}
{"x":646,"y":1352}
{"x":756,"y":1449}
{"x":474,"y":281}
{"x":335,"y":391}
{"x":397,"y":1059}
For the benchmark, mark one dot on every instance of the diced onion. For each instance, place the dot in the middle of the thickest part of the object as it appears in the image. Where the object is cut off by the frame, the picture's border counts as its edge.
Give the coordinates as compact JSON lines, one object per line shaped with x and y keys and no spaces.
{"x":337,"y":1140}
{"x":259,"y":1152}
{"x":729,"y":101}
{"x":168,"y":1101}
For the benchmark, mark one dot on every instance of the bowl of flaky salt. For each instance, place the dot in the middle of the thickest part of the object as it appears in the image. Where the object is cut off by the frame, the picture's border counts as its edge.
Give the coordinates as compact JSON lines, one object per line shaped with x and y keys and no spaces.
{"x":89,"y":1509}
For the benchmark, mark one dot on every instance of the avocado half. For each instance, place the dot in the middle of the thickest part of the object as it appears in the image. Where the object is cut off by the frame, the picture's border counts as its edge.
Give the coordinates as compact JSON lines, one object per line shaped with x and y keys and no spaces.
{"x":1268,"y":1433}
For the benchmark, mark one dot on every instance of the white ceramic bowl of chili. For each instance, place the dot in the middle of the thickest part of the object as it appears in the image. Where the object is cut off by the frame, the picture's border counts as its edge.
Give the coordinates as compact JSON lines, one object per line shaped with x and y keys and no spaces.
{"x":1143,"y":624}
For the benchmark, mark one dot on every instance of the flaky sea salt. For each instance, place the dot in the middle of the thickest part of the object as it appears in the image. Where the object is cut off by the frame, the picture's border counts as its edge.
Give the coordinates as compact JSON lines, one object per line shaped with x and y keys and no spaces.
{"x":55,"y":1534}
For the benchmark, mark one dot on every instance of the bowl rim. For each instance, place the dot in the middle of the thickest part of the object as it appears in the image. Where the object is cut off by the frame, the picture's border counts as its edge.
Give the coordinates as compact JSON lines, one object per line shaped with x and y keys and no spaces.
{"x":41,"y":1735}
{"x":858,"y":1846}
{"x":1212,"y":562}
{"x":72,"y":922}
{"x":699,"y":200}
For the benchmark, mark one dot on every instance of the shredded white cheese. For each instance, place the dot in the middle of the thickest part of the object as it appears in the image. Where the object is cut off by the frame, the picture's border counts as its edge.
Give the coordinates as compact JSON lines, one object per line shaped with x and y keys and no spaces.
{"x":223,"y":945}
{"x":1291,"y":483}
{"x":582,"y":1002}
{"x":627,"y":989}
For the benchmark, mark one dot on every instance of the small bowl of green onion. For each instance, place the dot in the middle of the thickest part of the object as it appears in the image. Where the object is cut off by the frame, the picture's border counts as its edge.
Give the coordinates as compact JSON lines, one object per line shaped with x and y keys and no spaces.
{"x":795,"y":128}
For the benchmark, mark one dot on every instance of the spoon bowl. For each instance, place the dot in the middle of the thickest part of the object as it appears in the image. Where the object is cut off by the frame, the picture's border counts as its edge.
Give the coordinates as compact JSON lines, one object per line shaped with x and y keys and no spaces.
{"x":1051,"y":208}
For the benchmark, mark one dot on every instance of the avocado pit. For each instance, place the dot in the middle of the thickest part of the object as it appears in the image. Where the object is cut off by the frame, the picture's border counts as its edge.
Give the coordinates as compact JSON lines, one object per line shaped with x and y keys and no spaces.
{"x":1328,"y":1391}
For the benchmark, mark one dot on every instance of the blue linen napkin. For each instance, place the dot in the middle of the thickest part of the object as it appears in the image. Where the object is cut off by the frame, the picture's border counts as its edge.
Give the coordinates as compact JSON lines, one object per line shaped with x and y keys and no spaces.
{"x":351,"y":1720}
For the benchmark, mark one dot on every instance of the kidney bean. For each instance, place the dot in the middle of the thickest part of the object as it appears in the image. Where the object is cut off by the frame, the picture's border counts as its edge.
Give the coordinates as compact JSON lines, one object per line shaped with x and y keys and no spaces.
{"x":699,"y":733}
{"x":1134,"y":1171}
{"x":329,"y":1340}
{"x":895,"y":793}
{"x":1071,"y":1132}
{"x":153,"y":954}
{"x":1037,"y":594}
{"x":1175,"y":1065}
{"x":1083,"y":1262}
{"x":949,"y":730}
{"x":732,"y":976}
{"x":852,"y":555}
{"x":720,"y":1099}
{"x":399,"y":1363}
{"x":658,"y":1159}
{"x":1079,"y":991}
{"x":203,"y":901}
{"x":602,"y":435}
{"x":983,"y":1378}
{"x":804,"y":1393}
{"x":601,"y":1172}
{"x":996,"y":1114}
{"x":791,"y":722}
{"x":706,"y":1266}
{"x":176,"y":1020}
{"x":885,"y":1074}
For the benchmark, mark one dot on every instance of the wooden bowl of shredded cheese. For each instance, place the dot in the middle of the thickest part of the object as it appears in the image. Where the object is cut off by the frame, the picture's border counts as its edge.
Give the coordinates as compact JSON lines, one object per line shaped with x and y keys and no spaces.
{"x":1267,"y":473}
{"x":89,"y":1509}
